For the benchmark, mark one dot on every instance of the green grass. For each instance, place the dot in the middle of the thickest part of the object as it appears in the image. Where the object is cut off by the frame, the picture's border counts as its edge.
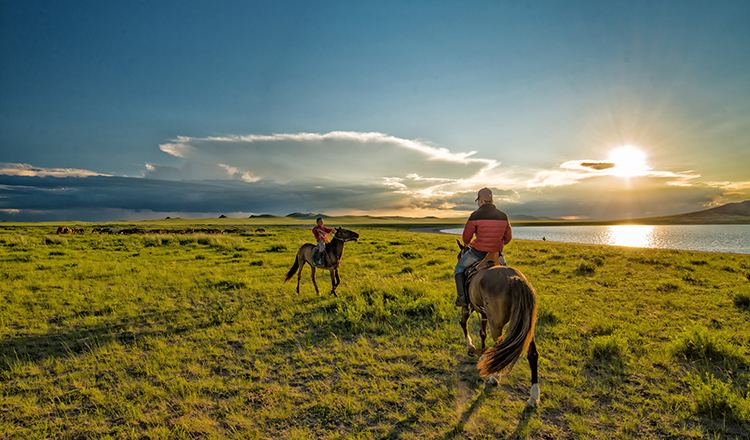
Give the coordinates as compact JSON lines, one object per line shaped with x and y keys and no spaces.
{"x":196,"y":336}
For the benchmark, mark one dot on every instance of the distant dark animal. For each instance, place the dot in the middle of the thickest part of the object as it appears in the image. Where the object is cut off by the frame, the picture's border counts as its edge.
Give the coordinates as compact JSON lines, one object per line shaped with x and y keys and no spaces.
{"x":332,"y":261}
{"x":63,"y":230}
{"x":260,"y":230}
{"x":502,"y":295}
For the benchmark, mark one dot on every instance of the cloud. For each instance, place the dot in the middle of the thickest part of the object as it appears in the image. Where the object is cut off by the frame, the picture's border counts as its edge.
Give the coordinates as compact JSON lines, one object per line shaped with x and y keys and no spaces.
{"x":316,"y":158}
{"x":573,"y":172}
{"x":23,"y":169}
{"x":347,"y":172}
{"x":586,"y":165}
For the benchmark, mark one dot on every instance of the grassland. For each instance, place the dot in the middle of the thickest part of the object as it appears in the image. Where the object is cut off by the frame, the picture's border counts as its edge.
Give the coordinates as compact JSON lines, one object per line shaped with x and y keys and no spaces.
{"x":195,"y":336}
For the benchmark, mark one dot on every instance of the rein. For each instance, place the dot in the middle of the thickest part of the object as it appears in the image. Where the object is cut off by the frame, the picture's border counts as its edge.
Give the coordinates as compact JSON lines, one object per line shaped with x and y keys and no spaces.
{"x":343,"y":239}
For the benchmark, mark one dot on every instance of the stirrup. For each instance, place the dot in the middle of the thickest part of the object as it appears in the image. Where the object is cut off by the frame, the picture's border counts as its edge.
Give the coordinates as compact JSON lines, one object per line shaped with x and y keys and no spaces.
{"x":458,"y":300}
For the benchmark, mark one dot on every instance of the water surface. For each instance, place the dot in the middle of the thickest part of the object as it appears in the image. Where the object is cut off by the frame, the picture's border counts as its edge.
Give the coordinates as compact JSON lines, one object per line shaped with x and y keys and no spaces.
{"x":710,"y":238}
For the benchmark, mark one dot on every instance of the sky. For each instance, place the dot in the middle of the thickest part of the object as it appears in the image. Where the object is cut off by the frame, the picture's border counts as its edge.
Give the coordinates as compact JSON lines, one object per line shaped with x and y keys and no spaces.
{"x":136,"y":110}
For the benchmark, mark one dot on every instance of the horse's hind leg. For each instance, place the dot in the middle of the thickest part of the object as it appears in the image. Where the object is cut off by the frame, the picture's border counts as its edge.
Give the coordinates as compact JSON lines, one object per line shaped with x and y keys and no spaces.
{"x":533,"y":357}
{"x":483,"y":332}
{"x":301,"y":263}
{"x":313,"y":280}
{"x":465,"y":314}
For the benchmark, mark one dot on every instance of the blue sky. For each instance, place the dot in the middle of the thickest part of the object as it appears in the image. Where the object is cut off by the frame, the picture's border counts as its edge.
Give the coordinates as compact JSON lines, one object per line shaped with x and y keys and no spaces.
{"x":134,"y":110}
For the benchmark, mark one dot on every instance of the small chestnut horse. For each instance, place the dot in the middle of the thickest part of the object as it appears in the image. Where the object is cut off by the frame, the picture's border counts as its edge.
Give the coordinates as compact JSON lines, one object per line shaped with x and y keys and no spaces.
{"x":334,"y":251}
{"x":502,"y":295}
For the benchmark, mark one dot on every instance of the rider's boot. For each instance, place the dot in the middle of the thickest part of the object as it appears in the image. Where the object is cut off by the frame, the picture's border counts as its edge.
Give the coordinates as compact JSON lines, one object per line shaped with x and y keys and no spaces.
{"x":460,"y":289}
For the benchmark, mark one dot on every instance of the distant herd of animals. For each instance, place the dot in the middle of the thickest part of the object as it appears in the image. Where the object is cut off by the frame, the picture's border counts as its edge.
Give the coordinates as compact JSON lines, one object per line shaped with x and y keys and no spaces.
{"x":66,"y":230}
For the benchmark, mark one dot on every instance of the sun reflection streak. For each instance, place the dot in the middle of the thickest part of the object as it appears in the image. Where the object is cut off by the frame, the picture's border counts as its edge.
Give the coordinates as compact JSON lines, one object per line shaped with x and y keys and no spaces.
{"x":630,"y":235}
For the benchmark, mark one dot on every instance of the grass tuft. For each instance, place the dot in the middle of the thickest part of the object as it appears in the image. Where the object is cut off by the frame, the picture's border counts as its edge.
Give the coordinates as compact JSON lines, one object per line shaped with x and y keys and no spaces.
{"x":55,"y":240}
{"x":668,"y":286}
{"x":277,"y":248}
{"x":609,"y":347}
{"x":741,"y":300}
{"x":700,"y":344}
{"x":718,"y":399}
{"x":586,"y":268}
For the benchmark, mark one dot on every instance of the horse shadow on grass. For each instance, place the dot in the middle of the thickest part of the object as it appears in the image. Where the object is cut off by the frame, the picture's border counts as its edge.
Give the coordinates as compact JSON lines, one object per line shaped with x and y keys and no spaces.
{"x":488,"y":392}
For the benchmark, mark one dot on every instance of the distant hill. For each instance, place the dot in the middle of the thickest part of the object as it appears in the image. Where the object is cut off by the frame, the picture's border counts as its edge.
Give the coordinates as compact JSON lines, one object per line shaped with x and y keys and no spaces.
{"x":527,"y":218}
{"x":731,"y":213}
{"x":307,"y":216}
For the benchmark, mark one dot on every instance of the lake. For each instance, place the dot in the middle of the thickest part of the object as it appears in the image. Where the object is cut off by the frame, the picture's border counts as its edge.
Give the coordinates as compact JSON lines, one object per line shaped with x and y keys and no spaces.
{"x":710,"y":238}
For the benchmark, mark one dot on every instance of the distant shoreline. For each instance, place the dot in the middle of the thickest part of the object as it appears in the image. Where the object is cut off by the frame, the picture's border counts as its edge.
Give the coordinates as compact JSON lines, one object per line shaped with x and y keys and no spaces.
{"x":430,"y":230}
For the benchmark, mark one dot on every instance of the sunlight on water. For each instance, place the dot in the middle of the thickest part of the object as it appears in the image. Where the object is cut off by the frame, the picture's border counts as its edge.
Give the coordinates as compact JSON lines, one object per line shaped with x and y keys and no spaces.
{"x":630,"y":235}
{"x":710,"y":238}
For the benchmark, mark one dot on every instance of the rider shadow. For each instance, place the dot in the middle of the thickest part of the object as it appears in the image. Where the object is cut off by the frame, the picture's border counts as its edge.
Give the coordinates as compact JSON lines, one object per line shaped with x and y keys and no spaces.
{"x":488,"y":391}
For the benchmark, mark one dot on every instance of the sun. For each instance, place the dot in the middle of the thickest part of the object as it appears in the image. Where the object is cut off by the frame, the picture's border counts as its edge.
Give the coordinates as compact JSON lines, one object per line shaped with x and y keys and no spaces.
{"x":629,"y":161}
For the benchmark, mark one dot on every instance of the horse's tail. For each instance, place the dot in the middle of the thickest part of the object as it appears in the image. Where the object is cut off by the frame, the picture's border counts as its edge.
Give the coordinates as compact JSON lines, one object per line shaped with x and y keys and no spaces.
{"x":293,"y":270}
{"x":503,"y":356}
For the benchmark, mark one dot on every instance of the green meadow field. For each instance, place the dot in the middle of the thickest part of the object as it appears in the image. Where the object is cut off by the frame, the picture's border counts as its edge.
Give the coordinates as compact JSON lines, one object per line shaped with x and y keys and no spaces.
{"x":170,"y":336}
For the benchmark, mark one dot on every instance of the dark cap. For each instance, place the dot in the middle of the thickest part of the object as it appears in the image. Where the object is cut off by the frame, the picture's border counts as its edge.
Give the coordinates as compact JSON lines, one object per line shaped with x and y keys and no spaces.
{"x":484,"y":194}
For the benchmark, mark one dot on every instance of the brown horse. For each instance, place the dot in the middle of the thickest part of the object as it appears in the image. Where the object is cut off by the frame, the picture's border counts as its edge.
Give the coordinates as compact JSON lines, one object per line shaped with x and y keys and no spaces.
{"x":502,"y":295}
{"x":334,"y":251}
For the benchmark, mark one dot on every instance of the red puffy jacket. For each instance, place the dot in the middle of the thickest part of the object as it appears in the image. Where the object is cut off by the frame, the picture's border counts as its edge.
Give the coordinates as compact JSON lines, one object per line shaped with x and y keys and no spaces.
{"x":491,"y":228}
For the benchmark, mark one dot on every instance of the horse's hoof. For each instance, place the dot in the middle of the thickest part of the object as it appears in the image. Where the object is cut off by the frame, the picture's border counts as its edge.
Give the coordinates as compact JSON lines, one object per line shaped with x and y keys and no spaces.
{"x":492,"y":381}
{"x":533,"y":401}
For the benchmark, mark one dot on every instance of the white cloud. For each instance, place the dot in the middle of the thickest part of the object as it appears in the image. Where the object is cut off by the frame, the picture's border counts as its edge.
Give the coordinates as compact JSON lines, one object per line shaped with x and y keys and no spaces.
{"x":574,"y":171}
{"x":26,"y":170}
{"x":320,"y":159}
{"x":233,"y":172}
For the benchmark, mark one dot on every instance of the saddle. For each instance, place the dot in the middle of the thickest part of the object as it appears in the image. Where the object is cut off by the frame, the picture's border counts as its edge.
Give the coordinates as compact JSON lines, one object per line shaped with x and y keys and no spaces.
{"x":489,"y":260}
{"x":316,"y":258}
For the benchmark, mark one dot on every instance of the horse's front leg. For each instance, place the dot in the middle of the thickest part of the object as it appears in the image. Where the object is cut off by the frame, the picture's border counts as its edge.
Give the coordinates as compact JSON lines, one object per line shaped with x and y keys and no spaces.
{"x":334,"y":284}
{"x":313,"y":280}
{"x":465,"y":327}
{"x":533,"y":356}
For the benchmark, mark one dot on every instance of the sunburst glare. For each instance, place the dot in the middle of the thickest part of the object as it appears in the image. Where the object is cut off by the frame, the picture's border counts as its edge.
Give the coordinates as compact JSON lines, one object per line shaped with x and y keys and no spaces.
{"x":629,"y":161}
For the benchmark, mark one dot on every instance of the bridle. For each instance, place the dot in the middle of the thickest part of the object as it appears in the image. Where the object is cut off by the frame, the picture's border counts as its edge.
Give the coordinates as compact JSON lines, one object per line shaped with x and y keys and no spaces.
{"x":343,"y":239}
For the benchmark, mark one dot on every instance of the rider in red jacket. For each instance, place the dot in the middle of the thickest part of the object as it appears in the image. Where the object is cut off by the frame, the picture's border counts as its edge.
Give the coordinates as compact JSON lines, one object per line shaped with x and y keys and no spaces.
{"x":492,"y":230}
{"x":321,"y":236}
